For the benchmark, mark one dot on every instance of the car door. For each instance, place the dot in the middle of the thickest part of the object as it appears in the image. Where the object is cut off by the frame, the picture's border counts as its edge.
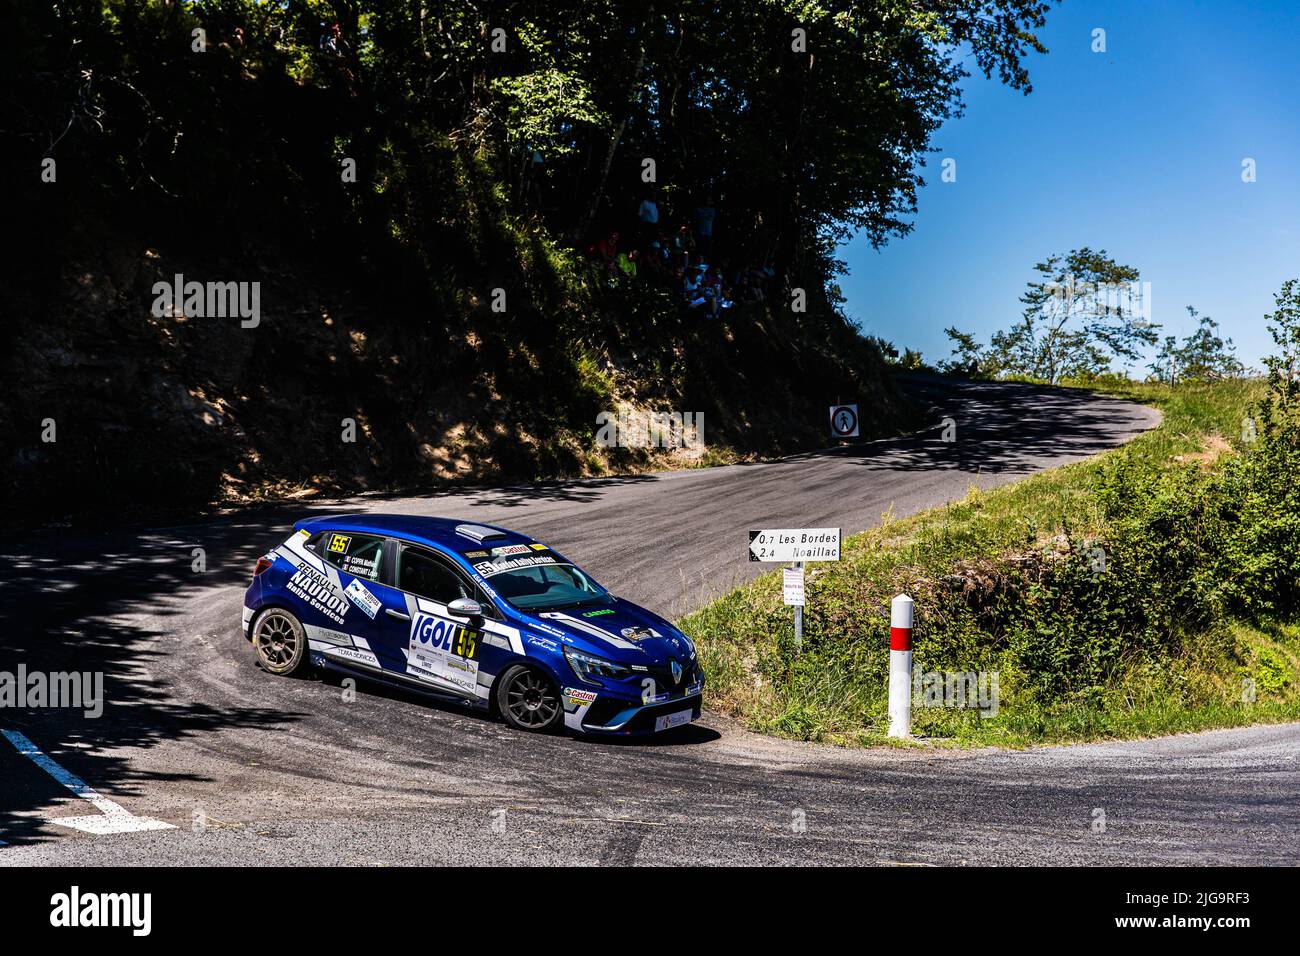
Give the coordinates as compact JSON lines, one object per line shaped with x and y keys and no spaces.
{"x":424,"y":642}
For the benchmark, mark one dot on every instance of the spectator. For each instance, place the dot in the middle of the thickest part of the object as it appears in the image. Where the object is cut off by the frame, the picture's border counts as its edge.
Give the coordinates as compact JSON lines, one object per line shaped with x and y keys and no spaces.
{"x":712,"y":290}
{"x":648,"y":213}
{"x":607,"y":248}
{"x":704,"y":216}
{"x":627,"y":263}
{"x":679,"y":282}
{"x":331,"y":38}
{"x":691,"y":291}
{"x":654,"y":261}
{"x":683,"y":245}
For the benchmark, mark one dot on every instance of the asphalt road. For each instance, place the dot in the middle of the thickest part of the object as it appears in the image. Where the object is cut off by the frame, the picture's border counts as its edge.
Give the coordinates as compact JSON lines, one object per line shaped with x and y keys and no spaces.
{"x":253,"y":769}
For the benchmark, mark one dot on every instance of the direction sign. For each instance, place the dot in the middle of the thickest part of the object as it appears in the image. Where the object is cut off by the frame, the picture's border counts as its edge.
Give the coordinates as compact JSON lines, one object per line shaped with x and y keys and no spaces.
{"x":795,"y":544}
{"x":844,"y":421}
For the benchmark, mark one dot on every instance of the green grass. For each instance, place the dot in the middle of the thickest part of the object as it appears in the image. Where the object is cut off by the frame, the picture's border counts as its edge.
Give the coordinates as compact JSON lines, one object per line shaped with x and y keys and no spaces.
{"x":835,"y":691}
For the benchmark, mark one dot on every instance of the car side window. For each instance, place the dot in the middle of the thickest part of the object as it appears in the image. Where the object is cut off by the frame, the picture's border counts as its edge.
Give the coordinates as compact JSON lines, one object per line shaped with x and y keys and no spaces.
{"x":361,"y":555}
{"x":422,"y":573}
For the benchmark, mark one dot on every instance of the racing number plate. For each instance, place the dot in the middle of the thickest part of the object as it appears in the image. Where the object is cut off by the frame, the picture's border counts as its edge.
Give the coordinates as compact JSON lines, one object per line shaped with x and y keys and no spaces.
{"x":672,"y":720}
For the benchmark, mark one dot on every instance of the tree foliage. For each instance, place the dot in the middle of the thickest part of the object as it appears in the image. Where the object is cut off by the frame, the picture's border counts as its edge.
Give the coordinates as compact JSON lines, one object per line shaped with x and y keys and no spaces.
{"x":804,"y":120}
{"x":1082,"y":313}
{"x":1203,"y":356}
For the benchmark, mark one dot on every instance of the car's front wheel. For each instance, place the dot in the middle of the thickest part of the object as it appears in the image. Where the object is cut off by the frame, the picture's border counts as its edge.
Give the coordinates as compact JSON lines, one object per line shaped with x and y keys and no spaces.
{"x":529,"y":700}
{"x":279,"y":641}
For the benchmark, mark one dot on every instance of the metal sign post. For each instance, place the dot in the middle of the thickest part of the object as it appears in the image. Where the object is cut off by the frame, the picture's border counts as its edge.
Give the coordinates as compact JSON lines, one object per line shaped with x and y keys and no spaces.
{"x":792,"y":586}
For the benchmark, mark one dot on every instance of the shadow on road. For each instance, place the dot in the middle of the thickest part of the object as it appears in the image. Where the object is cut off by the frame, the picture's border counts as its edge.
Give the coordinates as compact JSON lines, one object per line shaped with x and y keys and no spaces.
{"x":113,"y":603}
{"x":998,"y":428}
{"x":74,"y":602}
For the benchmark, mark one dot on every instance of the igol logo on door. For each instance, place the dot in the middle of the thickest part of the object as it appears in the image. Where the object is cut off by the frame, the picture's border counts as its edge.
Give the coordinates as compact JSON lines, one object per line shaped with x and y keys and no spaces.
{"x":446,"y":636}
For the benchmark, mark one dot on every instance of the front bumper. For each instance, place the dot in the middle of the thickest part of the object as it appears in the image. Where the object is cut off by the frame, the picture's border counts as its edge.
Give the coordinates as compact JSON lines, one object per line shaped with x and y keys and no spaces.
{"x":612,"y":716}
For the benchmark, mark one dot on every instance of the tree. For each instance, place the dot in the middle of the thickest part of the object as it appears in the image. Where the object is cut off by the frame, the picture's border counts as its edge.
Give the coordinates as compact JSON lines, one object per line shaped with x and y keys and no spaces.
{"x":1079,"y":315}
{"x":969,"y":360}
{"x":1165,"y":367}
{"x":1284,"y":366}
{"x":1204,"y":356}
{"x":1082,"y":313}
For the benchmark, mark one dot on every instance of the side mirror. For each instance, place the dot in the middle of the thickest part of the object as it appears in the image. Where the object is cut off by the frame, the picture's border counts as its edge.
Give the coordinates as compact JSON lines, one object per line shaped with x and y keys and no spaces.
{"x":464,"y":607}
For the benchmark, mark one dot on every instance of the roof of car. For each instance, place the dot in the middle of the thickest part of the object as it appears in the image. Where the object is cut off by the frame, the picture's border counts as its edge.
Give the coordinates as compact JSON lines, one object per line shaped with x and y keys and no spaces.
{"x":456,"y":534}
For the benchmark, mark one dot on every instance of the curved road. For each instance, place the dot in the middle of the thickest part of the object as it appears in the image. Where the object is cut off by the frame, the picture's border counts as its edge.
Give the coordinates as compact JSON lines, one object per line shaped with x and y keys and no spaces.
{"x":253,"y":769}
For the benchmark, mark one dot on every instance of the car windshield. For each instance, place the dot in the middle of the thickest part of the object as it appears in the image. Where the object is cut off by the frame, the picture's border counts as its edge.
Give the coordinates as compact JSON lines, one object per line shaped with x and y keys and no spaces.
{"x":548,"y":587}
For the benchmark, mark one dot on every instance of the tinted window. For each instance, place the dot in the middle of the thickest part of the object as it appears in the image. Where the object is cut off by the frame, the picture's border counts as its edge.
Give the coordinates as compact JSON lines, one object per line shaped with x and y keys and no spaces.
{"x":357,"y":554}
{"x":421,"y":573}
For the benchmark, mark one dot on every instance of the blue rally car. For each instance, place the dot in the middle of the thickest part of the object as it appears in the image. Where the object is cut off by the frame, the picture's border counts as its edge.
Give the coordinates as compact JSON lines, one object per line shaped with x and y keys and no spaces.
{"x":473,"y":613}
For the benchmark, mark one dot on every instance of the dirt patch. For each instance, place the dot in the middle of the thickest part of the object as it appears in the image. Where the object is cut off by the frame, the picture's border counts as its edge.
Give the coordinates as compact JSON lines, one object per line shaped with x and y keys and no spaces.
{"x":1215,"y":447}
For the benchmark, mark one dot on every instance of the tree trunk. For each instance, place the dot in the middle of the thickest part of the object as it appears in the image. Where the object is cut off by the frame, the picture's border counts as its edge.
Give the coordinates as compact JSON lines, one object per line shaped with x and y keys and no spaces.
{"x":584,"y":224}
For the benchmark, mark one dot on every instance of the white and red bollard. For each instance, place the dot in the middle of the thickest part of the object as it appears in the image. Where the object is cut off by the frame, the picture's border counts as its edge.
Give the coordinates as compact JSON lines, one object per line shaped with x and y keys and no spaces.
{"x":900,"y":666}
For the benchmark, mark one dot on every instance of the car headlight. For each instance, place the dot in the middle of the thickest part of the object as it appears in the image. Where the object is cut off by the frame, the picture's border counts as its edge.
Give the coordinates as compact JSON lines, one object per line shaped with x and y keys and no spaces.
{"x":590,"y":668}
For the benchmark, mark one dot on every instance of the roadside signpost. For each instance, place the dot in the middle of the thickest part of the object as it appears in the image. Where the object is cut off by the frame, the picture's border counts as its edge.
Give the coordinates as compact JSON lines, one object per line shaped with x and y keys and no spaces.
{"x":796,"y":546}
{"x":844,"y":421}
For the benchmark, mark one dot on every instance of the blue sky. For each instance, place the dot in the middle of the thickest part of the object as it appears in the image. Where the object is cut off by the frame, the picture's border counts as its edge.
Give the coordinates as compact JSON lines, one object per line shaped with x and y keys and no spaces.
{"x":1137,"y":150}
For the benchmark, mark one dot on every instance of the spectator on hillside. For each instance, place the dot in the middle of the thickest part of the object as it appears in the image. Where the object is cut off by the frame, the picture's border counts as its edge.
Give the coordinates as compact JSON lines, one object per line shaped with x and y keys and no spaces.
{"x":654,"y":261}
{"x":679,"y":282}
{"x":683,"y":245}
{"x":607,"y":248}
{"x":691,"y":287}
{"x":331,"y":37}
{"x":667,"y":247}
{"x":648,"y":213}
{"x":627,"y":263}
{"x":714,"y":295}
{"x":612,"y":273}
{"x":748,"y":289}
{"x":704,"y":216}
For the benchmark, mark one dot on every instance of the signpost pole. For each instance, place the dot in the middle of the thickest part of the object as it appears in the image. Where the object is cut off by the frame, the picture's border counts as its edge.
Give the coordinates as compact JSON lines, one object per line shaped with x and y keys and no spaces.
{"x":798,"y":619}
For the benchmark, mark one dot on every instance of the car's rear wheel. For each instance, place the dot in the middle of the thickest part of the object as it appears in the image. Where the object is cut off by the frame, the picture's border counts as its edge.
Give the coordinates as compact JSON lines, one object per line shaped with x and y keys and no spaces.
{"x":529,"y":700}
{"x":279,"y":641}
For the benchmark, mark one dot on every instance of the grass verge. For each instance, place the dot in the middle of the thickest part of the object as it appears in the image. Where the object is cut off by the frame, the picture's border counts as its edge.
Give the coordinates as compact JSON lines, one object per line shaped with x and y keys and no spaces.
{"x":1083,"y":589}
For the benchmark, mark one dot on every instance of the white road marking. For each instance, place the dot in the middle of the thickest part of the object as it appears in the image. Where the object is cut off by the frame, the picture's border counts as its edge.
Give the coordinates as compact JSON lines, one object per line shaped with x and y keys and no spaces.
{"x":112,"y":818}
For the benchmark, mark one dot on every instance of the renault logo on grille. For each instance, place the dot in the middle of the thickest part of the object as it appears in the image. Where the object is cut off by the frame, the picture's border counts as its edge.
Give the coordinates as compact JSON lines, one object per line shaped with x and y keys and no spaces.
{"x":677,"y":672}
